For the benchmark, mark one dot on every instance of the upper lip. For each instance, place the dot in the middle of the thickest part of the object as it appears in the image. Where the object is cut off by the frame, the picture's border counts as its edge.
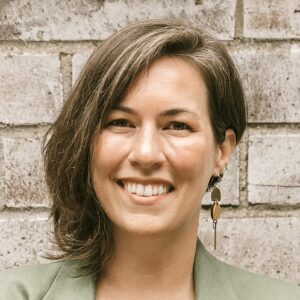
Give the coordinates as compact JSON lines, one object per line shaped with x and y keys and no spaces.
{"x":145,"y":181}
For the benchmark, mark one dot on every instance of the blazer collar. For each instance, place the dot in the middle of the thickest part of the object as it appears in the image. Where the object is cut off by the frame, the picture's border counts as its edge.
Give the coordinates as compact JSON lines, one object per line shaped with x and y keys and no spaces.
{"x":68,"y":286}
{"x":210,"y":277}
{"x":210,"y":280}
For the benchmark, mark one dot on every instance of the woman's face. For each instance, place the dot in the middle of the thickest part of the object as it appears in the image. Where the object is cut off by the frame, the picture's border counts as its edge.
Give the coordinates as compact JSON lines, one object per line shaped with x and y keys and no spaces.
{"x":153,"y":160}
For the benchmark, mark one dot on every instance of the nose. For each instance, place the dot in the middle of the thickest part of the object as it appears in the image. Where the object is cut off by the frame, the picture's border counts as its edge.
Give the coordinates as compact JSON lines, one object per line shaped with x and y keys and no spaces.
{"x":146,"y":151}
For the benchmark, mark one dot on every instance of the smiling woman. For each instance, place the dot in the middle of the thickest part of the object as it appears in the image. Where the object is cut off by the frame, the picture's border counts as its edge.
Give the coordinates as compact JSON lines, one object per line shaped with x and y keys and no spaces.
{"x":166,"y":151}
{"x":148,"y":128}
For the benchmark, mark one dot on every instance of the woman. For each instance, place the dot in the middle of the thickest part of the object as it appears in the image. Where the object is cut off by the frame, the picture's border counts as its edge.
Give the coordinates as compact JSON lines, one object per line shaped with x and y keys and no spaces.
{"x":148,"y":128}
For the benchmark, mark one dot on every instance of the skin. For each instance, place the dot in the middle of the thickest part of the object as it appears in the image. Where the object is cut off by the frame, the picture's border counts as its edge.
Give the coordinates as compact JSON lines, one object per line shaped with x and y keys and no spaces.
{"x":156,"y":237}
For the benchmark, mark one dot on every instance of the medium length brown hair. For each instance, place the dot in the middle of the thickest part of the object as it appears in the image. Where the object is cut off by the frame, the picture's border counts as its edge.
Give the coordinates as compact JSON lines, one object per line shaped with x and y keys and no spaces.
{"x":81,"y":229}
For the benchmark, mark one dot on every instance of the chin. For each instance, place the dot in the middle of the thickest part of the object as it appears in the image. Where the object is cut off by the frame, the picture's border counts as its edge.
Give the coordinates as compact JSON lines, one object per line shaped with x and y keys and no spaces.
{"x":146,"y":226}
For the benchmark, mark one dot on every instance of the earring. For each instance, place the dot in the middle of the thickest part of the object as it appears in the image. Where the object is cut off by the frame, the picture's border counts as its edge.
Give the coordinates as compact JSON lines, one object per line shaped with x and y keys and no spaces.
{"x":215,"y":211}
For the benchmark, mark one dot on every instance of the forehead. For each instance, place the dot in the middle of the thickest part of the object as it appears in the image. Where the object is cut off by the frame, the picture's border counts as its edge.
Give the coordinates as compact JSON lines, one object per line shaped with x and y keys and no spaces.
{"x":168,"y":81}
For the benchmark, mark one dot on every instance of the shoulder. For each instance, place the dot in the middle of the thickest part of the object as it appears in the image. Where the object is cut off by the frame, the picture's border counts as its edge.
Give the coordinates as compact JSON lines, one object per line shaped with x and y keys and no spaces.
{"x":56,"y":280}
{"x":28,"y":282}
{"x":247,"y":285}
{"x":219,"y":280}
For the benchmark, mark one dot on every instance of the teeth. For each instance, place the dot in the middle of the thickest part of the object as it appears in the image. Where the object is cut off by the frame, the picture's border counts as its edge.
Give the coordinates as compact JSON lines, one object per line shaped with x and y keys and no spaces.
{"x":133,"y":188}
{"x":146,"y":190}
{"x":140,"y":190}
{"x":160,"y":189}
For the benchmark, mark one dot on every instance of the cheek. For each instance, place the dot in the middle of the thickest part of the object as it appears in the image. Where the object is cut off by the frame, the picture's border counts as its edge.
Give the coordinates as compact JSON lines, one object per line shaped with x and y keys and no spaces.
{"x":104,"y":160}
{"x":193,"y":157}
{"x":105,"y":156}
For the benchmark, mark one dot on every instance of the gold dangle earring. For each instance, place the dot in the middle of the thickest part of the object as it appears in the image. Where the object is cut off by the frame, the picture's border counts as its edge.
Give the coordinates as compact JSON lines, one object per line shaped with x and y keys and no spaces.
{"x":215,"y":211}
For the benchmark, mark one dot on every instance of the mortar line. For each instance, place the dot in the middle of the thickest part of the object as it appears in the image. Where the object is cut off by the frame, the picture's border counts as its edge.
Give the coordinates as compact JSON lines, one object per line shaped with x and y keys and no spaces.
{"x":24,"y":210}
{"x":293,"y":125}
{"x":243,"y":169}
{"x":260,"y":212}
{"x":66,"y":73}
{"x":42,"y":47}
{"x":251,"y":42}
{"x":72,"y":47}
{"x":239,"y":19}
{"x":83,"y":47}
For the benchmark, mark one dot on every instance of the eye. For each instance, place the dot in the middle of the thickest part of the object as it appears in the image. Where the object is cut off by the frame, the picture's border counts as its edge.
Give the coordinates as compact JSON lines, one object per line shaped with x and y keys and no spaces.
{"x":120,"y":123}
{"x":178,"y":126}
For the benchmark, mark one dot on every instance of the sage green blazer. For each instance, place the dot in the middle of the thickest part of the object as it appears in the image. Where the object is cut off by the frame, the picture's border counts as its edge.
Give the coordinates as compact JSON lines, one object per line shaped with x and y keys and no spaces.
{"x":214,"y":280}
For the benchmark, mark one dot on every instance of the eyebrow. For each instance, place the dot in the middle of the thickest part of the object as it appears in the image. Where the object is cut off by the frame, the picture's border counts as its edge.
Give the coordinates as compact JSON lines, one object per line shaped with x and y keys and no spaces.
{"x":165,"y":113}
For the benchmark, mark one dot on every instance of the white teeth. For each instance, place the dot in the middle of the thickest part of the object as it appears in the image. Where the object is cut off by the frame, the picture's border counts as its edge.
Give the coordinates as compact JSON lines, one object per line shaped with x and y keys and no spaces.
{"x":160,"y":189}
{"x":146,"y":190}
{"x":133,"y":188}
{"x":140,"y":190}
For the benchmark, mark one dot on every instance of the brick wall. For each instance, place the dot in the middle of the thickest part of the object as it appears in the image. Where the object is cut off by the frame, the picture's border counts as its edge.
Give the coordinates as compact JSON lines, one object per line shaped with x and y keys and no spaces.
{"x":43,"y":45}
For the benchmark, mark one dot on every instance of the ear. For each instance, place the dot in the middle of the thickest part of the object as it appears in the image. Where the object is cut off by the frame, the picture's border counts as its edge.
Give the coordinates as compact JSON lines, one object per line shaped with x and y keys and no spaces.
{"x":224,"y":151}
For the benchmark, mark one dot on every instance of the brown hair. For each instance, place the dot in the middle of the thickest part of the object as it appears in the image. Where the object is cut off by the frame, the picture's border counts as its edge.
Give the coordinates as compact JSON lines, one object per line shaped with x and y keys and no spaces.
{"x":81,"y":228}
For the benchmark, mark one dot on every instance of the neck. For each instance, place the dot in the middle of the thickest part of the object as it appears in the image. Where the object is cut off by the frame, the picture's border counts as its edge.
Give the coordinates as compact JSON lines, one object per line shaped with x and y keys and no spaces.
{"x":152,"y":263}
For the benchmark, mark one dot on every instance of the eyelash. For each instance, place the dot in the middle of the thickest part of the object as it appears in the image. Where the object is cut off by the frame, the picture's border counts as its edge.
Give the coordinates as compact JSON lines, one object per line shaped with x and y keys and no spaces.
{"x":115,"y":123}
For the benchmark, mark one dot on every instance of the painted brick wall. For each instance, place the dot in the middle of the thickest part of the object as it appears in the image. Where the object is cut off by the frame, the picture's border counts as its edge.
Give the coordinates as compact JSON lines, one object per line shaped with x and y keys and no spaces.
{"x":44,"y":44}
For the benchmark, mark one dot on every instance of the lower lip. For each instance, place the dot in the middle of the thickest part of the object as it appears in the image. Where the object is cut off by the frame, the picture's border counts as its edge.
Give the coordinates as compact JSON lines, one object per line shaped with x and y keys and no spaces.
{"x":142,"y":200}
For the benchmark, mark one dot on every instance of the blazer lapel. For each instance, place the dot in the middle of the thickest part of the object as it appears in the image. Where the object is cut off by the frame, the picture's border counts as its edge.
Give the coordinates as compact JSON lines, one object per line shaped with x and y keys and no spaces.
{"x":210,"y":279}
{"x":68,"y":287}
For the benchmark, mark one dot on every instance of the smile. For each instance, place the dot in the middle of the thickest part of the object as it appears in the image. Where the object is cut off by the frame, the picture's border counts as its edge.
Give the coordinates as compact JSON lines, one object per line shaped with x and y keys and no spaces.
{"x":146,"y":190}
